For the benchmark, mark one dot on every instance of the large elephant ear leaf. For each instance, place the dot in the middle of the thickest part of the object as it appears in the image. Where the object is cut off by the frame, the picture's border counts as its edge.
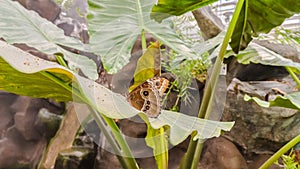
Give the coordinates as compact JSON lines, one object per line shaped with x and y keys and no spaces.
{"x":19,"y":25}
{"x":166,"y":8}
{"x":19,"y":75}
{"x":256,"y":53}
{"x":25,"y":74}
{"x":114,"y":26}
{"x":261,"y":17}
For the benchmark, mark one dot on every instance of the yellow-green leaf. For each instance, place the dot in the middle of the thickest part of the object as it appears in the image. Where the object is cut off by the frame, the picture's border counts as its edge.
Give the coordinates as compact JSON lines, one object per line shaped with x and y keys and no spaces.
{"x":148,"y":65}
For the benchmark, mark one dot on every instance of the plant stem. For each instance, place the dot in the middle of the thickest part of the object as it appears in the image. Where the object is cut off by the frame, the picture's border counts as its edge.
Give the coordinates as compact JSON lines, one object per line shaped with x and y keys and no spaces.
{"x":193,"y":153}
{"x":125,"y":156}
{"x":117,"y":141}
{"x":161,"y":159}
{"x":280,"y":152}
{"x":144,"y":41}
{"x":108,"y":136}
{"x":294,"y":76}
{"x":164,"y":149}
{"x":61,"y":61}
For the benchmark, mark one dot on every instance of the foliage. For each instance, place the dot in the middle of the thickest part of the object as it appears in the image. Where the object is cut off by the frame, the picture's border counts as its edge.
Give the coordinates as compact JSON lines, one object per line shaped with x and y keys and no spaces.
{"x":147,"y":67}
{"x":289,"y":161}
{"x":165,"y":8}
{"x":280,"y":153}
{"x":260,"y":17}
{"x":115,"y":48}
{"x":114,"y":27}
{"x":291,"y":101}
{"x":19,"y":25}
{"x":258,"y":54}
{"x":88,"y":91}
{"x":185,"y":72}
{"x":282,"y":35}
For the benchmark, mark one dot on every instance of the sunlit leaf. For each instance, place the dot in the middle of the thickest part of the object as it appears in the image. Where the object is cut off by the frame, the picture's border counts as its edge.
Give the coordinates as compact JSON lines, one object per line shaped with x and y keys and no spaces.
{"x":19,"y":25}
{"x":262,"y":16}
{"x":258,"y":54}
{"x":115,"y":25}
{"x":157,"y":140}
{"x":241,"y":24}
{"x":165,"y":8}
{"x":146,"y":67}
{"x":105,"y":101}
{"x":291,"y":101}
{"x":31,"y":83}
{"x":181,"y":126}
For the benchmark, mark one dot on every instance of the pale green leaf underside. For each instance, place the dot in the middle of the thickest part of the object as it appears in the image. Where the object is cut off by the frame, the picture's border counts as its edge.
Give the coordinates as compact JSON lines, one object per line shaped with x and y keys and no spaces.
{"x":291,"y":101}
{"x":102,"y":99}
{"x":19,"y":25}
{"x":115,"y":25}
{"x":259,"y":54}
{"x":181,"y":126}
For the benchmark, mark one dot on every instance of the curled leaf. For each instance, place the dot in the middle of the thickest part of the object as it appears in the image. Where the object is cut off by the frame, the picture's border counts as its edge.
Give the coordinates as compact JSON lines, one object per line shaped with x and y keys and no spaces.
{"x":29,"y":69}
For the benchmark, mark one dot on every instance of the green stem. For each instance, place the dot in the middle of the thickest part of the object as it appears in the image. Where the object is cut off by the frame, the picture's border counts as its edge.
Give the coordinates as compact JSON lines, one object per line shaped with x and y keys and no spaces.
{"x":144,"y":41}
{"x":163,"y":161}
{"x":108,"y":135}
{"x":294,"y":76}
{"x":280,"y":152}
{"x":125,"y":153}
{"x":117,"y":141}
{"x":164,"y":146}
{"x":193,"y":153}
{"x":61,"y":61}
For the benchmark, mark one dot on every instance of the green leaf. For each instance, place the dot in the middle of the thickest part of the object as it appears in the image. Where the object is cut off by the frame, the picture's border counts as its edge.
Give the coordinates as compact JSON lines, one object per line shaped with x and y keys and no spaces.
{"x":291,"y":101}
{"x":181,"y":126}
{"x":145,"y":68}
{"x":237,"y":37}
{"x":165,"y":8}
{"x":260,"y":102}
{"x":105,"y":101}
{"x":262,"y":16}
{"x":115,"y":25}
{"x":27,"y":80}
{"x":157,"y":140}
{"x":19,"y":25}
{"x":259,"y":54}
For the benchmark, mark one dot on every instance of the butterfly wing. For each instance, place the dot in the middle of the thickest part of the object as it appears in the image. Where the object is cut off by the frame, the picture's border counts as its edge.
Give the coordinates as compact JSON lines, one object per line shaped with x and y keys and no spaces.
{"x":152,"y":101}
{"x":135,"y":99}
{"x":147,"y":96}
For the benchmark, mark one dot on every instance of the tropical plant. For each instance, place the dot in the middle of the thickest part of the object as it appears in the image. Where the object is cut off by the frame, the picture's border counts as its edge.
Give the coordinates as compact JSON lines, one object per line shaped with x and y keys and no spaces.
{"x":114,"y":27}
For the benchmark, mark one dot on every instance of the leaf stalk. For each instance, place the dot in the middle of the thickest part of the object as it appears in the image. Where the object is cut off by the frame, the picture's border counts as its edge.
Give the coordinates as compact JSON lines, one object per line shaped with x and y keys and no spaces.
{"x":192,"y":156}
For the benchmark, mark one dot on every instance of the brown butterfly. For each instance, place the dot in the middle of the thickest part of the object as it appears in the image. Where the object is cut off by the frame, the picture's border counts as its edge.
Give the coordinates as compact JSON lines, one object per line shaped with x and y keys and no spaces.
{"x":147,"y":96}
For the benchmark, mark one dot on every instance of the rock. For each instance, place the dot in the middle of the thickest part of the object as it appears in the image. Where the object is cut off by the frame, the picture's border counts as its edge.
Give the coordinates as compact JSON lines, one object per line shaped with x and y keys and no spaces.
{"x":257,"y":160}
{"x":106,"y":159}
{"x":260,"y":130}
{"x":45,"y":8}
{"x":21,"y":140}
{"x":20,"y":153}
{"x":253,"y":72}
{"x":75,"y":158}
{"x":6,"y":114}
{"x":73,"y":20}
{"x":24,"y":122}
{"x":47,"y":123}
{"x":220,"y":153}
{"x":208,"y":22}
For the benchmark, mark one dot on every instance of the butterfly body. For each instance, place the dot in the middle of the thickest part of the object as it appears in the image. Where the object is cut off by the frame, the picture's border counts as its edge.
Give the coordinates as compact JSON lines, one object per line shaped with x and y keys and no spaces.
{"x":147,"y":96}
